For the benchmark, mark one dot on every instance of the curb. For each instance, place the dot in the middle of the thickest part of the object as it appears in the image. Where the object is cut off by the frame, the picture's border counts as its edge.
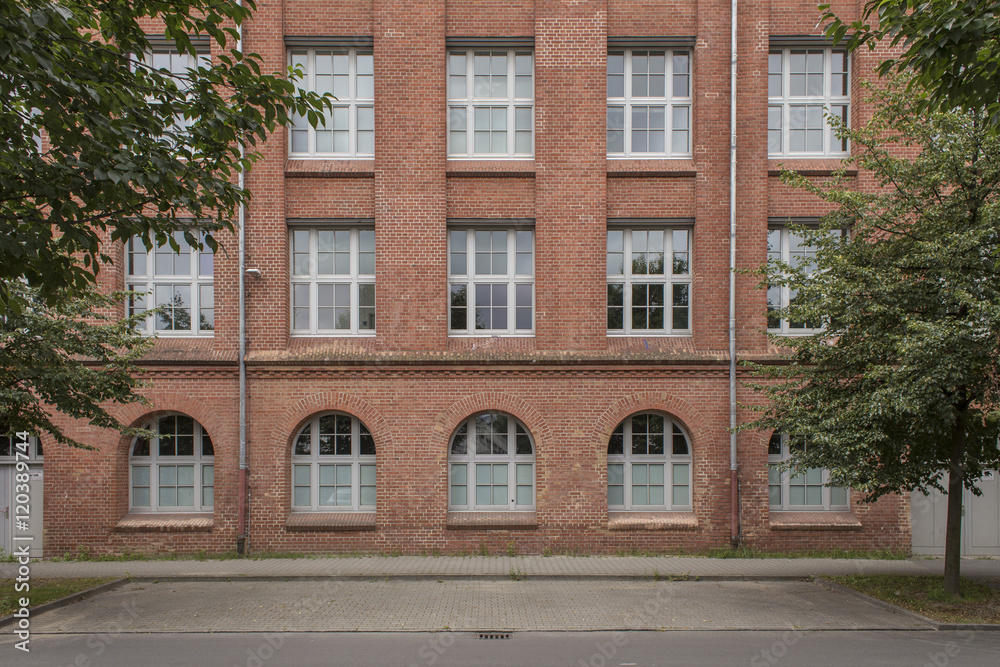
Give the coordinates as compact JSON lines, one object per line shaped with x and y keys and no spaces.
{"x":64,"y":601}
{"x":937,"y":625}
{"x":488,"y":576}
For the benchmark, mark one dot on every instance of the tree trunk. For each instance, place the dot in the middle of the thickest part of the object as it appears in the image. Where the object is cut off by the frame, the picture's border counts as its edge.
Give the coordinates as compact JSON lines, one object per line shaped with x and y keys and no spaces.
{"x":953,"y":533}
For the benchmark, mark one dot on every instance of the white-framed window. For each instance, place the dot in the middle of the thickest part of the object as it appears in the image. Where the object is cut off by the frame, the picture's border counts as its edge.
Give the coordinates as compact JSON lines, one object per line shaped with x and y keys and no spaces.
{"x":803,"y":85}
{"x":14,"y":448}
{"x":333,"y":465}
{"x":491,"y":464}
{"x":491,"y":281}
{"x":491,"y":102}
{"x":349,"y":131}
{"x":794,"y":490}
{"x":649,"y":465}
{"x":789,"y":247}
{"x":649,"y":280}
{"x":180,"y":282}
{"x":333,"y":281}
{"x":167,"y":58}
{"x":175,"y":471}
{"x":649,"y":102}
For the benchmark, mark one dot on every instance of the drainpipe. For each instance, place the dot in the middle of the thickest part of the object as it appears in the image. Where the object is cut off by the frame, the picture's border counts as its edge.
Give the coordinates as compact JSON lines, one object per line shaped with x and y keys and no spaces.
{"x":241,"y":506}
{"x":734,"y":509}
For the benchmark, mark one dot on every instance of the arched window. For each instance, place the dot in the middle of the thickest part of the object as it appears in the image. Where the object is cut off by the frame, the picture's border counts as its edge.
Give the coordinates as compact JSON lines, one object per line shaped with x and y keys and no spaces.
{"x":794,"y":490}
{"x":333,"y":465}
{"x":491,"y":464}
{"x":175,"y":471}
{"x":649,"y":465}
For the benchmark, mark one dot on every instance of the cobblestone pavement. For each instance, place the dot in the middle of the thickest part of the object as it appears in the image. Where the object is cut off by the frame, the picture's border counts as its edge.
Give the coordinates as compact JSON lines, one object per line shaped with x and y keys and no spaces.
{"x":396,"y":604}
{"x":530,"y":566}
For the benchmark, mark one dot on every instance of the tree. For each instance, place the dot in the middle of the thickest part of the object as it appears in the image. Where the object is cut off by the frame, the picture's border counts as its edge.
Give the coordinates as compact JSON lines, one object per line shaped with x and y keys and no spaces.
{"x":99,"y":144}
{"x":903,"y":384}
{"x":129,"y":149}
{"x":71,"y":355}
{"x":952,"y":45}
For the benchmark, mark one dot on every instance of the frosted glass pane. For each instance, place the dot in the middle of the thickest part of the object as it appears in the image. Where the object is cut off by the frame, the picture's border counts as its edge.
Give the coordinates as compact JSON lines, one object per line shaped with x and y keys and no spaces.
{"x":616,"y":474}
{"x":656,"y":495}
{"x":483,"y":495}
{"x":773,"y":475}
{"x":524,"y":495}
{"x":301,"y":496}
{"x":140,"y":475}
{"x":616,"y":495}
{"x":814,"y":476}
{"x":639,"y":495}
{"x":459,"y":495}
{"x":140,"y":497}
{"x":796,"y":495}
{"x":168,"y":475}
{"x":326,"y":474}
{"x":300,"y":475}
{"x":459,"y":473}
{"x":681,"y":496}
{"x":656,"y":474}
{"x":681,"y":474}
{"x":774,"y":495}
{"x":367,"y":474}
{"x":500,"y":495}
{"x":168,"y":497}
{"x":344,"y":475}
{"x":524,"y":473}
{"x":343,"y":495}
{"x":838,"y":495}
{"x":368,"y":496}
{"x":814,"y":495}
{"x":208,"y":496}
{"x":327,"y":495}
{"x":185,"y":496}
{"x":482,"y":474}
{"x":185,"y":475}
{"x":638,"y":474}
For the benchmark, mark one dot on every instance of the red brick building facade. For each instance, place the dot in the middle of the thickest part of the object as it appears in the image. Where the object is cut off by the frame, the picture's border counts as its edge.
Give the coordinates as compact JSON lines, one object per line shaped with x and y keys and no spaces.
{"x":489,"y":159}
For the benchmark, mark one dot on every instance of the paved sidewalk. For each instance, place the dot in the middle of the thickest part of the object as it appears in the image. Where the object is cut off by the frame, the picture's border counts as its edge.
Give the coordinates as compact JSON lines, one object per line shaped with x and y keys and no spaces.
{"x":396,"y":605}
{"x":592,"y":567}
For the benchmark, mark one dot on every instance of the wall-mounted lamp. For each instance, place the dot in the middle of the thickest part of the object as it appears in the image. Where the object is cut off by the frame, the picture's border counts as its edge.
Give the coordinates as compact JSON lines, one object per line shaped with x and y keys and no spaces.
{"x":254,"y":273}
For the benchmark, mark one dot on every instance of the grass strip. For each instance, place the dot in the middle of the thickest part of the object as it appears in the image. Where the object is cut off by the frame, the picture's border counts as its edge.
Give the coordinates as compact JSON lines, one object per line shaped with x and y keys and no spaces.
{"x":924,"y":594}
{"x":43,"y":590}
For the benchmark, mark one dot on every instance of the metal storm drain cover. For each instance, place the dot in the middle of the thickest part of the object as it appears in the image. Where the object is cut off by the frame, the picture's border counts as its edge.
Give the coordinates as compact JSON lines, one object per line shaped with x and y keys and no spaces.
{"x":493,"y":635}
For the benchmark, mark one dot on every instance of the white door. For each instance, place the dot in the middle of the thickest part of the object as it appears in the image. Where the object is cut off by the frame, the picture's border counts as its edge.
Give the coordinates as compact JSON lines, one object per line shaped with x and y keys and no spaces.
{"x":980,"y":520}
{"x":6,"y":509}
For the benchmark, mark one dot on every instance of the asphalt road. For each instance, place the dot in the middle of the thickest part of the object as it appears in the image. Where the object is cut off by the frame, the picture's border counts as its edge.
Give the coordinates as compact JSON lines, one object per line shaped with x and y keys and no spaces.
{"x":534,"y":649}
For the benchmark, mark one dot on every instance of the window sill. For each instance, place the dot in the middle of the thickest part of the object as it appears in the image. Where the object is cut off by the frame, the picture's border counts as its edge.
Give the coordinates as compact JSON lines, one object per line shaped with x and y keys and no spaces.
{"x":166,"y":523}
{"x":651,"y":167}
{"x":473,"y":520}
{"x":814,"y":521}
{"x":652,"y":521}
{"x":329,"y":168}
{"x":490,"y":167}
{"x":808,"y":166}
{"x":331,"y":521}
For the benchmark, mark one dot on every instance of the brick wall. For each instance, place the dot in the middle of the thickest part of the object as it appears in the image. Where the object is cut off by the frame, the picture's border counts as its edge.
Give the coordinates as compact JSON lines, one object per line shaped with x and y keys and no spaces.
{"x":412,"y":385}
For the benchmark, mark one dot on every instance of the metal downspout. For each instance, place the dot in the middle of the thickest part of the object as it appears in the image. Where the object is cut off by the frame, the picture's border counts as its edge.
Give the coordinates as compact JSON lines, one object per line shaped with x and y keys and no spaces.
{"x":241,"y":519}
{"x":733,"y":467}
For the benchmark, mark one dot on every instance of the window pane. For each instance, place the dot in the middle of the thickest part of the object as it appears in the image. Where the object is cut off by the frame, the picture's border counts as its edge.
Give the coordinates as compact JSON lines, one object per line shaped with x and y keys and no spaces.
{"x":140,"y":496}
{"x":140,"y":475}
{"x":681,"y":496}
{"x":616,"y":495}
{"x":616,"y":474}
